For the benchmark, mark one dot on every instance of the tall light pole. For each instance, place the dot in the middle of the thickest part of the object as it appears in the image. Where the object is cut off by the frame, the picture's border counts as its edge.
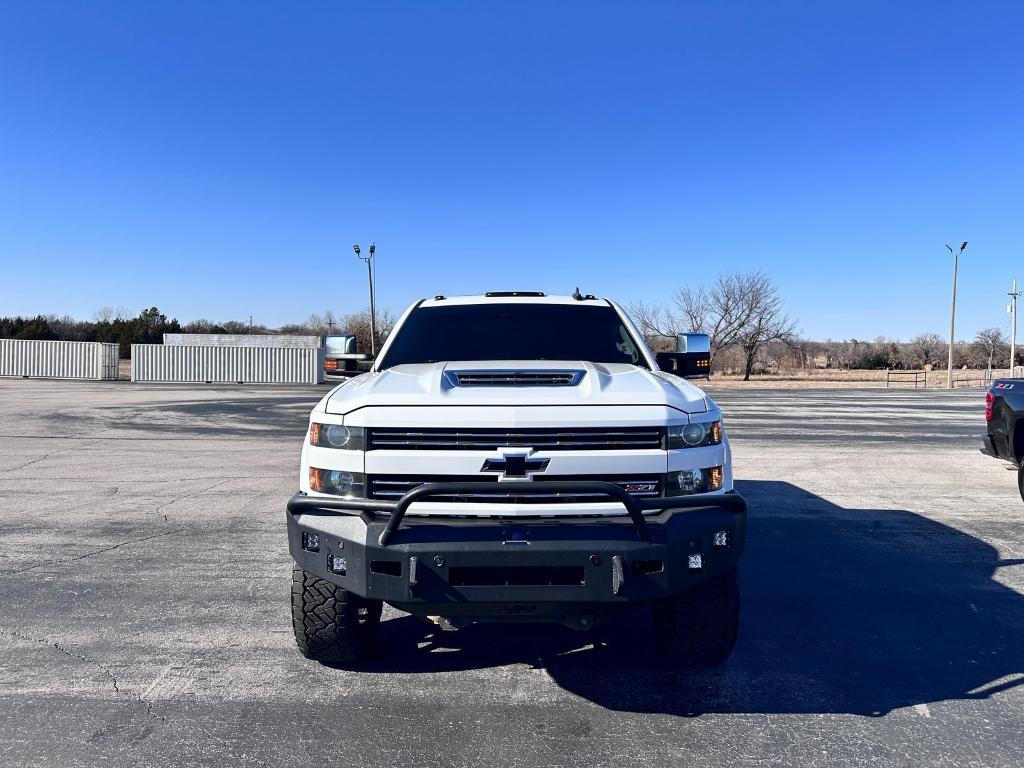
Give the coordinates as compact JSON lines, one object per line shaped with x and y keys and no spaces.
{"x":373,"y":308}
{"x":1014,"y":293}
{"x":952,"y":314}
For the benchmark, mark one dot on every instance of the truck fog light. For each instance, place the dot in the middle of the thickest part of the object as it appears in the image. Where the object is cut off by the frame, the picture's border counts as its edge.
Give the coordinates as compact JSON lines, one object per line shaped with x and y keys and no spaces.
{"x":696,"y":562}
{"x":715,"y":477}
{"x":721,"y":538}
{"x":310,"y":542}
{"x":690,"y":480}
{"x":337,"y":564}
{"x":339,"y":482}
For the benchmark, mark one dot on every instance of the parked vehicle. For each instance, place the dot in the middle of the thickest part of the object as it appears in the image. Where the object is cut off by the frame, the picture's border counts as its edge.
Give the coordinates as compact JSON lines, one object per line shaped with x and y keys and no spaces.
{"x":1004,"y":408}
{"x":517,"y":457}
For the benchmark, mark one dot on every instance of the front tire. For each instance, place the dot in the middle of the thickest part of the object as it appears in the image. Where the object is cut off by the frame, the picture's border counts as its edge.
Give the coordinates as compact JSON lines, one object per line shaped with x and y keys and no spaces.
{"x":332,"y":625}
{"x":699,"y":626}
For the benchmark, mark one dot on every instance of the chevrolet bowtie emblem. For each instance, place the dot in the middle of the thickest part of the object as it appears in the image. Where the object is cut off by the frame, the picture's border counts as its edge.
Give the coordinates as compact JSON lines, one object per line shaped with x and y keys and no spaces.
{"x":515,"y":464}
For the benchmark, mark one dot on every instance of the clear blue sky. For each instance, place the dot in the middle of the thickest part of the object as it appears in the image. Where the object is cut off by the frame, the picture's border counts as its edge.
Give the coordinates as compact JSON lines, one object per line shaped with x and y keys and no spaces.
{"x":219,"y":159}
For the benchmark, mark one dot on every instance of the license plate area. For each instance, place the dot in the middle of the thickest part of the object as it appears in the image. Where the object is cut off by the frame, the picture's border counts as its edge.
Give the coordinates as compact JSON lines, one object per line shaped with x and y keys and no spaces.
{"x":516,"y":576}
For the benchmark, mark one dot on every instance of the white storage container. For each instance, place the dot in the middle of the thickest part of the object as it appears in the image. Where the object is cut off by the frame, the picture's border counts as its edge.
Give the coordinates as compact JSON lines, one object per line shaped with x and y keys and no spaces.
{"x":58,"y":359}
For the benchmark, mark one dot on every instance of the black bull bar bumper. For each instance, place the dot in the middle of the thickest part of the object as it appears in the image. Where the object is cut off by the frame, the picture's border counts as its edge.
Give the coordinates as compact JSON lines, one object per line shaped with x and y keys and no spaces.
{"x":448,"y":565}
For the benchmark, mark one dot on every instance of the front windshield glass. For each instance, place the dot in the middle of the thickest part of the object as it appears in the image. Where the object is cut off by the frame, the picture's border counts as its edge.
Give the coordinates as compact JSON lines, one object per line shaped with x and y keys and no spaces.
{"x":502,"y":331}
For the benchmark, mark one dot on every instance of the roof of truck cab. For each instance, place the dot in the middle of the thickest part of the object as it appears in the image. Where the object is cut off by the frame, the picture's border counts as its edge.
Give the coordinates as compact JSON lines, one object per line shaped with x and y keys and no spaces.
{"x":447,"y":301}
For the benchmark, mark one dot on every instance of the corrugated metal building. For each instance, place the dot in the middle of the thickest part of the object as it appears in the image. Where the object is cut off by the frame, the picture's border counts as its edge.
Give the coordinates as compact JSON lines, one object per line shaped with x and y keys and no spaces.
{"x":241,"y":340}
{"x":58,"y":359}
{"x":256,"y":365}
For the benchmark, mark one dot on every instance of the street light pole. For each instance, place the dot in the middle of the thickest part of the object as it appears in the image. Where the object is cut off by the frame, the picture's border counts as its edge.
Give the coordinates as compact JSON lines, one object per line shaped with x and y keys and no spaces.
{"x":952,"y":314}
{"x":373,"y":302}
{"x":369,"y":279}
{"x":1014,"y":293}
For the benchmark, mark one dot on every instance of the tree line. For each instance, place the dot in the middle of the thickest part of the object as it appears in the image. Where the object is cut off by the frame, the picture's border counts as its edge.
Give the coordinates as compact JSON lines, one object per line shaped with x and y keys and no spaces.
{"x":149,"y":326}
{"x":750,"y":330}
{"x":743,"y":313}
{"x":990,"y":348}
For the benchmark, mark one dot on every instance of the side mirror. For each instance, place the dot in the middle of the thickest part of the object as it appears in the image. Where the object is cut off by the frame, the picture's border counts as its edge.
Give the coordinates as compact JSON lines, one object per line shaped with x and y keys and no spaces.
{"x":340,"y":344}
{"x":693,"y":342}
{"x":689,"y":365}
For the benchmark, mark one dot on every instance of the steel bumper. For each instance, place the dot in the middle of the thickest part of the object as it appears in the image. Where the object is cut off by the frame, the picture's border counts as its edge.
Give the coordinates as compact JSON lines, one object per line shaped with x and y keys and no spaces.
{"x":477,"y":566}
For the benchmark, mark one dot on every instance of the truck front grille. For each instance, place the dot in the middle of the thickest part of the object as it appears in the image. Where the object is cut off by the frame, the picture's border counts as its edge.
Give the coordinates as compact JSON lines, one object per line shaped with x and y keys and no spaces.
{"x":393,"y":487}
{"x":483,"y":439}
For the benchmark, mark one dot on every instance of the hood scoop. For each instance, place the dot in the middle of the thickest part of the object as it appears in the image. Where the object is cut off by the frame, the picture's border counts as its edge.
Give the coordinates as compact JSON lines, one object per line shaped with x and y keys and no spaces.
{"x":514,"y":378}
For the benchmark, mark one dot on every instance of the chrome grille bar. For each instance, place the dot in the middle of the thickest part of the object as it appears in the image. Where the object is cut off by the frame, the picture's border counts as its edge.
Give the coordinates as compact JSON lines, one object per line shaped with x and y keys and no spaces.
{"x":639,"y":438}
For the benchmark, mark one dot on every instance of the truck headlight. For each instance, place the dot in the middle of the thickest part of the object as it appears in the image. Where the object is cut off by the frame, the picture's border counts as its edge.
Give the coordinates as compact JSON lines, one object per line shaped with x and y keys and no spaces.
{"x":338,"y":482}
{"x":696,"y":434}
{"x":337,"y":436}
{"x":686,"y":481}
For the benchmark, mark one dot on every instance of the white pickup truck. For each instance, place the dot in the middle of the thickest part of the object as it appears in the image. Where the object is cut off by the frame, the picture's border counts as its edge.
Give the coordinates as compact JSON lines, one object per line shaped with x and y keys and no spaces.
{"x":517,"y":457}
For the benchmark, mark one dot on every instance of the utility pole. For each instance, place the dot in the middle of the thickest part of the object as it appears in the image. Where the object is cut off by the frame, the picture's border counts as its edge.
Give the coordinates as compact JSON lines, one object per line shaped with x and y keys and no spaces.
{"x":373,"y":300}
{"x":1014,"y":293}
{"x":373,"y":307}
{"x":952,"y":315}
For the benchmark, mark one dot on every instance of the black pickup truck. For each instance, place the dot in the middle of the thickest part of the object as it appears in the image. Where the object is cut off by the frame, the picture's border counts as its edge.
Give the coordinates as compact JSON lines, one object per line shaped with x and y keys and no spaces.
{"x":1004,"y":409}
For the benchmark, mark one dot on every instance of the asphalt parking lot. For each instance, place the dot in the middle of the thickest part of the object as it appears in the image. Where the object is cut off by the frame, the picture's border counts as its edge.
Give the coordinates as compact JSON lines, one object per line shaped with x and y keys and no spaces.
{"x":144,"y":581}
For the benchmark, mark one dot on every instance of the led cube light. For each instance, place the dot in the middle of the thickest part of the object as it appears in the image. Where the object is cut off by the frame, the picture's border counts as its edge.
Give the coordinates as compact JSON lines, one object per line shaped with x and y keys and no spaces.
{"x":310,"y":542}
{"x":337,"y":564}
{"x":696,"y":562}
{"x":721,"y":538}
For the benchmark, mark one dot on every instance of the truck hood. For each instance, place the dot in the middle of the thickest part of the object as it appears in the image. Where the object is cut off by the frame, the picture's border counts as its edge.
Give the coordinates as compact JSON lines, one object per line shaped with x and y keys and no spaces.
{"x":426,"y":384}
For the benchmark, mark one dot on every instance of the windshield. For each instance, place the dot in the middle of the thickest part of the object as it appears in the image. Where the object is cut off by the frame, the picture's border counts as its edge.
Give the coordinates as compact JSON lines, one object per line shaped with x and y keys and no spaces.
{"x":513,"y":332}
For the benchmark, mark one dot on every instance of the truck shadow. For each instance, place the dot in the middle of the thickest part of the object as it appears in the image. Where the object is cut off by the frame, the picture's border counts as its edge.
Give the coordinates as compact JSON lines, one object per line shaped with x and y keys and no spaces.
{"x":844,"y":610}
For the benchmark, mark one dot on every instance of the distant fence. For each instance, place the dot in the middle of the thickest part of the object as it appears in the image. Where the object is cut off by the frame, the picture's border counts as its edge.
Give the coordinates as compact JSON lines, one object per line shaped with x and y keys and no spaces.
{"x":241,"y":340}
{"x":939,"y":379}
{"x":906,"y":378}
{"x":241,"y":365}
{"x":861,"y":377}
{"x":968,"y":379}
{"x":58,"y":359}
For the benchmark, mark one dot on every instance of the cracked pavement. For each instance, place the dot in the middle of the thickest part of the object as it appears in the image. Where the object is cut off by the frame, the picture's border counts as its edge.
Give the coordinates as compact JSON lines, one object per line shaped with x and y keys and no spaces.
{"x":144,"y":615}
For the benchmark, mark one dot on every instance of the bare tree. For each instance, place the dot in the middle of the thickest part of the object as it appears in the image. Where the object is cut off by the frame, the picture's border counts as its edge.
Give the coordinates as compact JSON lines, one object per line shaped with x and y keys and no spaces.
{"x":658,"y":325}
{"x":695,"y":306}
{"x":989,"y":343}
{"x":110,"y":314}
{"x":726,"y":309}
{"x":742,"y":310}
{"x":323,"y":325}
{"x":925,"y":349}
{"x":358,"y":324}
{"x":766,"y":322}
